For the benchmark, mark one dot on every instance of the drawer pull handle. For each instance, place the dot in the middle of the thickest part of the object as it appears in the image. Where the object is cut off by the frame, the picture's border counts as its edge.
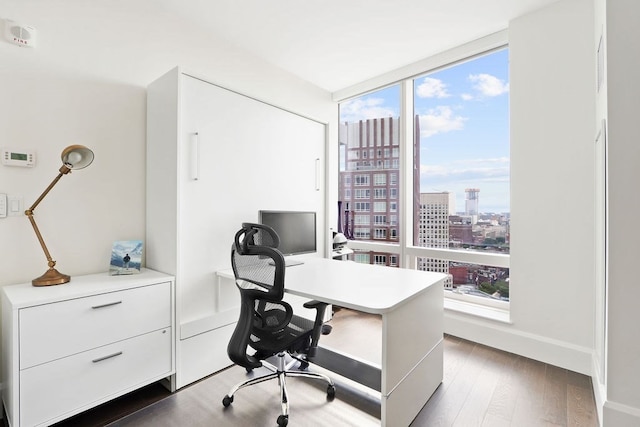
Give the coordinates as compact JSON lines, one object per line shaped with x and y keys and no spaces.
{"x":100,"y":359}
{"x":107,"y":304}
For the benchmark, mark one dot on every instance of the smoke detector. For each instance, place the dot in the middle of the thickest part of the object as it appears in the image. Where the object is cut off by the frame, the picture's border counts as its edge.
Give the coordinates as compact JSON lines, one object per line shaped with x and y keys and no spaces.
{"x":21,"y":35}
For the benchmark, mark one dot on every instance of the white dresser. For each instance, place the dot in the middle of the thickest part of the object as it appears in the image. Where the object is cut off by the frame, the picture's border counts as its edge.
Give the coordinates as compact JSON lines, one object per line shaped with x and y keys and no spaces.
{"x":71,"y":347}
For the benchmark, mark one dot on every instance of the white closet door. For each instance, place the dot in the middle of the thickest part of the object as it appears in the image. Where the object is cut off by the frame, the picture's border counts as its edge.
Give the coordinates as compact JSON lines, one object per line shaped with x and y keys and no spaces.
{"x":237,"y":156}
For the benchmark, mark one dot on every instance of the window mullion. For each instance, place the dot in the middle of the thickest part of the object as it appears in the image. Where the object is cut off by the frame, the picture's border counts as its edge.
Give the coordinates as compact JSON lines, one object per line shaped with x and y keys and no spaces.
{"x":406,"y":175}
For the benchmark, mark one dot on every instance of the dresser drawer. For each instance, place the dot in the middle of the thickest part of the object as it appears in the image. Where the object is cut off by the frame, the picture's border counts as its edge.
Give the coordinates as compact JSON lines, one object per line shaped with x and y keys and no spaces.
{"x":59,"y":389}
{"x":53,"y":331}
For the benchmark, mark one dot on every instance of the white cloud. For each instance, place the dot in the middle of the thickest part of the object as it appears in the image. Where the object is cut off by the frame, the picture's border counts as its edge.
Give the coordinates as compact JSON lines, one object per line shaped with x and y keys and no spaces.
{"x":466,"y":97}
{"x":432,"y":88}
{"x":474,"y":170}
{"x":365,"y":108}
{"x":439,"y":120}
{"x":489,"y":85}
{"x":491,"y":160}
{"x":434,"y":170}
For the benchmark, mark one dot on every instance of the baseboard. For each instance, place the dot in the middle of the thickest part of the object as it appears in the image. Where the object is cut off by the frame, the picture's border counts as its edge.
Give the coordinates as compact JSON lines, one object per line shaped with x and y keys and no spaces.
{"x":611,"y":413}
{"x":505,"y":337}
{"x":619,"y":415}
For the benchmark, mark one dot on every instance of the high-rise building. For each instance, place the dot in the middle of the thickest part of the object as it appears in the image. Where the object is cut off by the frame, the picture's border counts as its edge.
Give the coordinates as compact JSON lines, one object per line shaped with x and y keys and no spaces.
{"x":369,"y":183}
{"x":471,"y":201}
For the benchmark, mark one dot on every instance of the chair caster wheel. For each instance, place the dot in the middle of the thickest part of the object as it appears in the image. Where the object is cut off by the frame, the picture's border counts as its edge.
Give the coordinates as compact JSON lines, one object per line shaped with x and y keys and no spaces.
{"x":227,"y":401}
{"x":331,"y":391}
{"x":283,"y":420}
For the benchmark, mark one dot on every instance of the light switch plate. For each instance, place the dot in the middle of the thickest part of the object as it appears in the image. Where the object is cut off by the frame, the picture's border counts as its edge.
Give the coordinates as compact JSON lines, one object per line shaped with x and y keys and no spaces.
{"x":15,"y":206}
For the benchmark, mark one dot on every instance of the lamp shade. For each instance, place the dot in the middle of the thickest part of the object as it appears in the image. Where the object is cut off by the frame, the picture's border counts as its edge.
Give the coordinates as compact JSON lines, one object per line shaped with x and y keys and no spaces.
{"x":339,"y":239}
{"x":77,"y":157}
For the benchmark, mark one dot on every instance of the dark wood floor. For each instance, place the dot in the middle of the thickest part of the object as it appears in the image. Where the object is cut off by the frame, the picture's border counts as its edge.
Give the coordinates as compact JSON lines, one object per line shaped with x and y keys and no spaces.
{"x":482,"y":386}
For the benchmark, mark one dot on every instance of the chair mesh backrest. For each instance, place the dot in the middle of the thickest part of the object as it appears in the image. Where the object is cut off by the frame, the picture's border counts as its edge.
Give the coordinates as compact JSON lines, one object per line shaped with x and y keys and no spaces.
{"x":254,"y":269}
{"x":257,"y":264}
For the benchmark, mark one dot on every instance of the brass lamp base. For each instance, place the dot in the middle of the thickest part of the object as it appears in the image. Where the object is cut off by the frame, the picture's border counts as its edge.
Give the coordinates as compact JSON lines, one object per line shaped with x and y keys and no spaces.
{"x":51,"y":277}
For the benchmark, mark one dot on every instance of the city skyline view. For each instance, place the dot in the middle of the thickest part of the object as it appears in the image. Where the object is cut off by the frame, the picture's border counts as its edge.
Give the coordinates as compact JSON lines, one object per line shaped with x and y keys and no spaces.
{"x":464,"y":128}
{"x":459,"y":172}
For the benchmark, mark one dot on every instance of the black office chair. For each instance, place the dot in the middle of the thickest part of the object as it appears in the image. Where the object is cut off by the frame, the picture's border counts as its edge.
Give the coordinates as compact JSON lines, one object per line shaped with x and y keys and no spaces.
{"x":267,"y":324}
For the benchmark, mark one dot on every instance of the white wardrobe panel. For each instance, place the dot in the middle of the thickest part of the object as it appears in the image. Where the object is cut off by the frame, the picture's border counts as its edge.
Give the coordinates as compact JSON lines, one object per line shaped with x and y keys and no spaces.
{"x":240,"y":155}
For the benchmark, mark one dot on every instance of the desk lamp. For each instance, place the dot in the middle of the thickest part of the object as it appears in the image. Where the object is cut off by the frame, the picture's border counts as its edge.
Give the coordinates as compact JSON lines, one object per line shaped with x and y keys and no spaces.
{"x":339,"y":241}
{"x":73,"y":157}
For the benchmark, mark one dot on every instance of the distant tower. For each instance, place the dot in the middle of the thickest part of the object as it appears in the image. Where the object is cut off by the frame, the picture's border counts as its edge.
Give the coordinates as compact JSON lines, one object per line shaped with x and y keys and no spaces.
{"x":471,"y":202}
{"x":433,"y":230}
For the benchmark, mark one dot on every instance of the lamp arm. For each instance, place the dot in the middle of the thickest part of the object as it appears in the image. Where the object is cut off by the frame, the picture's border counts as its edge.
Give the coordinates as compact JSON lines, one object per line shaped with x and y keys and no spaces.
{"x":63,"y":171}
{"x":29,"y":213}
{"x":50,"y":260}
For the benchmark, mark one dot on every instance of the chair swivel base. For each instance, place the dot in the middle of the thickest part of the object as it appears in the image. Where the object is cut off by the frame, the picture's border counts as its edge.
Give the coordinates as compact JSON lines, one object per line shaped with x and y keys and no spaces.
{"x":281,"y":373}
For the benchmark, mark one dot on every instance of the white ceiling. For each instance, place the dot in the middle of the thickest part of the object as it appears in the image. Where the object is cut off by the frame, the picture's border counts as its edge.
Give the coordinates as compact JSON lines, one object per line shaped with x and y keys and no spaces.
{"x":333,"y":44}
{"x":337,"y":43}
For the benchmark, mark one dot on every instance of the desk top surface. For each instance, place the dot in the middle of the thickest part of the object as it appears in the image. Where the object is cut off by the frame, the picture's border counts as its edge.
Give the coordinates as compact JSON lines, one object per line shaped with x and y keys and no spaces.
{"x":364,"y":287}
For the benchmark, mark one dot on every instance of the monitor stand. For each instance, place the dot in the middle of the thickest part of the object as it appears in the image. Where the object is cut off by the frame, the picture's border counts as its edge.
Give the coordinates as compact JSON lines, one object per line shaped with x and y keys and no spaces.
{"x":290,"y":262}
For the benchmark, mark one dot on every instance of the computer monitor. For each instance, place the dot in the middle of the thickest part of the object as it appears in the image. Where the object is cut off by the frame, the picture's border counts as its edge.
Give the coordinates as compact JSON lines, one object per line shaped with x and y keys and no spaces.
{"x":296,"y":229}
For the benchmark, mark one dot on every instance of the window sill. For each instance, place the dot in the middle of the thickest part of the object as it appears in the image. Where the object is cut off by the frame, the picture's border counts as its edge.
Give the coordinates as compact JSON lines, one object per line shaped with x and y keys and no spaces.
{"x":491,"y":313}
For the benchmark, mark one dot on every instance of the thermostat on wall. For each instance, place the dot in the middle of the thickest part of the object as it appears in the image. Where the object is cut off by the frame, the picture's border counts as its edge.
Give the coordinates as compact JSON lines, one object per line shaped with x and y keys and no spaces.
{"x":18,"y":157}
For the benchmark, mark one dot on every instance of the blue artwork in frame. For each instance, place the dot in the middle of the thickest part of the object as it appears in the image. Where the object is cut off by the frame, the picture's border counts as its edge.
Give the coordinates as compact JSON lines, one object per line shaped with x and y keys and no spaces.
{"x":126,"y":257}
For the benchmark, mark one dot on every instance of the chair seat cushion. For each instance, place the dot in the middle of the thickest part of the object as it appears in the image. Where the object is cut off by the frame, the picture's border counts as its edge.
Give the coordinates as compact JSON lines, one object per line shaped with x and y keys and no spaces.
{"x":294,"y":337}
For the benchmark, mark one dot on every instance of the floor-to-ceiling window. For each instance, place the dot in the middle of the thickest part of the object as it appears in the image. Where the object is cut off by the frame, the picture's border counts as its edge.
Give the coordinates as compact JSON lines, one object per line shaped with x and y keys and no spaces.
{"x":461,"y":113}
{"x":454,"y":216}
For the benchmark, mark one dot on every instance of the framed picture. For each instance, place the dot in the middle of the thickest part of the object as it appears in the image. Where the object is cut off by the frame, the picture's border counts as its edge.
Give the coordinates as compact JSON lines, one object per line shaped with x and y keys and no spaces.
{"x":126,"y":257}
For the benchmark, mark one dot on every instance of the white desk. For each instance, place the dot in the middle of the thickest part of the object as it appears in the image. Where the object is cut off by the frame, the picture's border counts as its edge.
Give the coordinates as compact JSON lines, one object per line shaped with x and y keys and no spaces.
{"x":411,"y":305}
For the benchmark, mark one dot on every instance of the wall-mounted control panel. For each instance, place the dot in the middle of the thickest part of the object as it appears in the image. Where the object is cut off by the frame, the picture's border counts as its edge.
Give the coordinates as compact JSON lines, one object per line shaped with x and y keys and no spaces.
{"x":18,"y":157}
{"x":3,"y":205}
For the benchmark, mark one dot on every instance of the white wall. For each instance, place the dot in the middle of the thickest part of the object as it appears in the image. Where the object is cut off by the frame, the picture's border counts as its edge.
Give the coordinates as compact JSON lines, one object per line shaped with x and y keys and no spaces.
{"x":620,"y":20}
{"x":552,"y":201}
{"x":552,"y":138}
{"x":90,"y":208}
{"x":85,"y":83}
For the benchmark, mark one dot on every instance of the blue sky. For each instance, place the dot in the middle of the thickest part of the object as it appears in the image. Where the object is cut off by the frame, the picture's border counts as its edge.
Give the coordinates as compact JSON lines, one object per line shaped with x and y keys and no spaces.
{"x":464,"y":126}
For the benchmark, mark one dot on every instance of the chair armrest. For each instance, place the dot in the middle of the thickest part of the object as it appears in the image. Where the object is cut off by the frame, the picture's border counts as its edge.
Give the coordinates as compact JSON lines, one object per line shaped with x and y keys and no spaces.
{"x":318,"y":329}
{"x":314,"y":304}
